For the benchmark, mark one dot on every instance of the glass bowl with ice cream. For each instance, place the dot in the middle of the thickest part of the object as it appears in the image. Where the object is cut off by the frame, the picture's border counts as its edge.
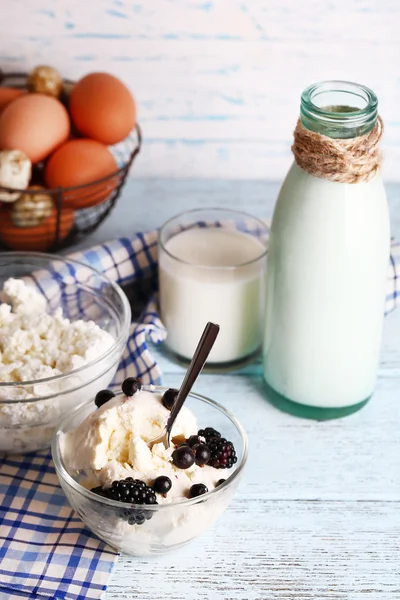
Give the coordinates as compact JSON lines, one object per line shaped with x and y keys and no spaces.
{"x":63,"y":329}
{"x":147,"y":500}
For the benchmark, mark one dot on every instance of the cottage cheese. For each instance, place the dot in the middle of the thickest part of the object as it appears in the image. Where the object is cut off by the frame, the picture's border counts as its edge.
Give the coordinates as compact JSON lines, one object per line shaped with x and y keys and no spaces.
{"x":36,"y":345}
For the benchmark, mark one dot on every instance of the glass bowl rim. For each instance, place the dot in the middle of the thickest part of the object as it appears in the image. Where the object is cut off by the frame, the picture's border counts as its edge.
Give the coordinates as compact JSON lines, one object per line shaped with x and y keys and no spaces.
{"x":210,"y":209}
{"x":77,"y":487}
{"x":125,"y":321}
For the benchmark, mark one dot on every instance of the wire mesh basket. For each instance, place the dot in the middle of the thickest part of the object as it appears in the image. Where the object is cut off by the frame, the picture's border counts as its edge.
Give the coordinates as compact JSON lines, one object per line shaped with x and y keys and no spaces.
{"x":79,"y":210}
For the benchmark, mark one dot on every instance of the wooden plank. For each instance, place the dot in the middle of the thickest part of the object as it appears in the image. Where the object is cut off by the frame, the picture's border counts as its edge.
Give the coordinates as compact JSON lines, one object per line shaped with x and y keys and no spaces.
{"x":147,"y":203}
{"x":217,"y":83}
{"x":223,"y":20}
{"x":291,"y":458}
{"x":270,"y":550}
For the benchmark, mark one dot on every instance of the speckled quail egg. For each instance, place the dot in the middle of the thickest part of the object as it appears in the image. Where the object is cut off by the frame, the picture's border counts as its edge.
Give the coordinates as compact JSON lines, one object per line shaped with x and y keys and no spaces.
{"x":15,"y":173}
{"x":45,"y":80}
{"x":32,"y":209}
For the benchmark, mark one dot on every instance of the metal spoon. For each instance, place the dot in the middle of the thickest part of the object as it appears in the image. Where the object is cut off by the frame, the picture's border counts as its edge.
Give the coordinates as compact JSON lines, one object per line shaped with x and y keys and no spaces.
{"x":196,"y":365}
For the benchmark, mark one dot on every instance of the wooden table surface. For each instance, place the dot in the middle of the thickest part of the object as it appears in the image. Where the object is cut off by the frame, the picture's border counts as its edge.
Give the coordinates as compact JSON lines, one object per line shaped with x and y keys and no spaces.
{"x":317,"y":513}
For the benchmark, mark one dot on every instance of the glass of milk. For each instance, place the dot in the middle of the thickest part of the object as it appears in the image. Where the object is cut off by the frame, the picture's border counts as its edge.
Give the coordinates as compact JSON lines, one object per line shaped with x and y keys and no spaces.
{"x":212,"y":267}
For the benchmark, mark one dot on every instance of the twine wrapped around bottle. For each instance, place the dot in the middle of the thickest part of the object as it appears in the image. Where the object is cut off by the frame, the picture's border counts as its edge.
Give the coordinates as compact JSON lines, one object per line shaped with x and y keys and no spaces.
{"x":352,"y":160}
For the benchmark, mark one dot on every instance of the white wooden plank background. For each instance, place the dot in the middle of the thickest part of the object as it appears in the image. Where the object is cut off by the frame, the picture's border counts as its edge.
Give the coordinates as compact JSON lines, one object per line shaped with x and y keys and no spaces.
{"x":217,"y":81}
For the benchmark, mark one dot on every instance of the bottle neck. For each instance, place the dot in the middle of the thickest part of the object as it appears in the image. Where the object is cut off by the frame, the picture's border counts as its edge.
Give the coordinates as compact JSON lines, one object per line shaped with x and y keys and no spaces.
{"x":339,"y":109}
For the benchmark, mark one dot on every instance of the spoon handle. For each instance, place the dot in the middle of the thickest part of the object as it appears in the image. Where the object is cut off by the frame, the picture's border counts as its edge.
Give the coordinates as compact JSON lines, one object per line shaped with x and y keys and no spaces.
{"x":196,"y":364}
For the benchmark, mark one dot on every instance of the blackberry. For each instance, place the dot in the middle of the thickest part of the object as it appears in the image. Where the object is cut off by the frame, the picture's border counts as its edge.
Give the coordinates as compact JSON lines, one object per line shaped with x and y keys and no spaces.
{"x":193,"y":440}
{"x":162,"y":484}
{"x":220,"y":482}
{"x":183,"y":457}
{"x":131,"y":385}
{"x":132,"y":491}
{"x":102,"y":397}
{"x":202,"y":454}
{"x":198,"y":489}
{"x":99,"y":491}
{"x":223,"y":455}
{"x":209,"y":432}
{"x":169,"y":397}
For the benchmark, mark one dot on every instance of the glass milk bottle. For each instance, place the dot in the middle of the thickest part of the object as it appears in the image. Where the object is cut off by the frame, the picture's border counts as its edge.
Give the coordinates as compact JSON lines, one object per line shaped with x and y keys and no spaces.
{"x":328,"y":258}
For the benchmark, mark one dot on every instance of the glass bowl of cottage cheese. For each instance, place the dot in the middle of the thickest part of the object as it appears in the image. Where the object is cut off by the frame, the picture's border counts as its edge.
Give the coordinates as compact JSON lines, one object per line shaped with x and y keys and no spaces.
{"x":149,"y":500}
{"x":63,"y":329}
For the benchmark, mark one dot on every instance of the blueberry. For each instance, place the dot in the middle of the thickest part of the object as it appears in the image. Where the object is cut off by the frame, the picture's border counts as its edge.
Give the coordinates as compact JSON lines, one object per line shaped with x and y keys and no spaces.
{"x":183,"y":457}
{"x":198,"y":489}
{"x":102,"y":397}
{"x":202,"y":454}
{"x":131,"y":385}
{"x":162,"y":484}
{"x":169,"y":397}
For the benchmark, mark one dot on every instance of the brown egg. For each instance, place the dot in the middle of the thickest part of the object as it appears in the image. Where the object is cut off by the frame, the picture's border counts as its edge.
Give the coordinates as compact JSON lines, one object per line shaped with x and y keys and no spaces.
{"x":34,"y":123}
{"x":45,"y":80}
{"x":80,"y":162}
{"x":102,"y":108}
{"x":39,"y":238}
{"x":7,"y":95}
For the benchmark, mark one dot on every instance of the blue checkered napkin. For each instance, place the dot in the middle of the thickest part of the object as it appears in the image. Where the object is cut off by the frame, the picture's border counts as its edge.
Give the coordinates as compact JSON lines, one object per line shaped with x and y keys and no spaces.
{"x":393,"y":288}
{"x":45,"y":550}
{"x":132,"y":263}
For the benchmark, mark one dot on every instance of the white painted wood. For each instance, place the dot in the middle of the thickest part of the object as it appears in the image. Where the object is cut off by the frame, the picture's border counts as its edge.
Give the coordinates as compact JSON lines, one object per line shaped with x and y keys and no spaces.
{"x":217,"y":81}
{"x":148,"y":203}
{"x":266,"y":550}
{"x":317,"y":514}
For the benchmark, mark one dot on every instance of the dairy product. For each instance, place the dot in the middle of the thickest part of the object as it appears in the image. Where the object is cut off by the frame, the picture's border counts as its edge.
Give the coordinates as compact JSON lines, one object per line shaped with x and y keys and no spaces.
{"x":327,"y":269}
{"x":212,"y":274}
{"x":112,"y":443}
{"x":36,"y":345}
